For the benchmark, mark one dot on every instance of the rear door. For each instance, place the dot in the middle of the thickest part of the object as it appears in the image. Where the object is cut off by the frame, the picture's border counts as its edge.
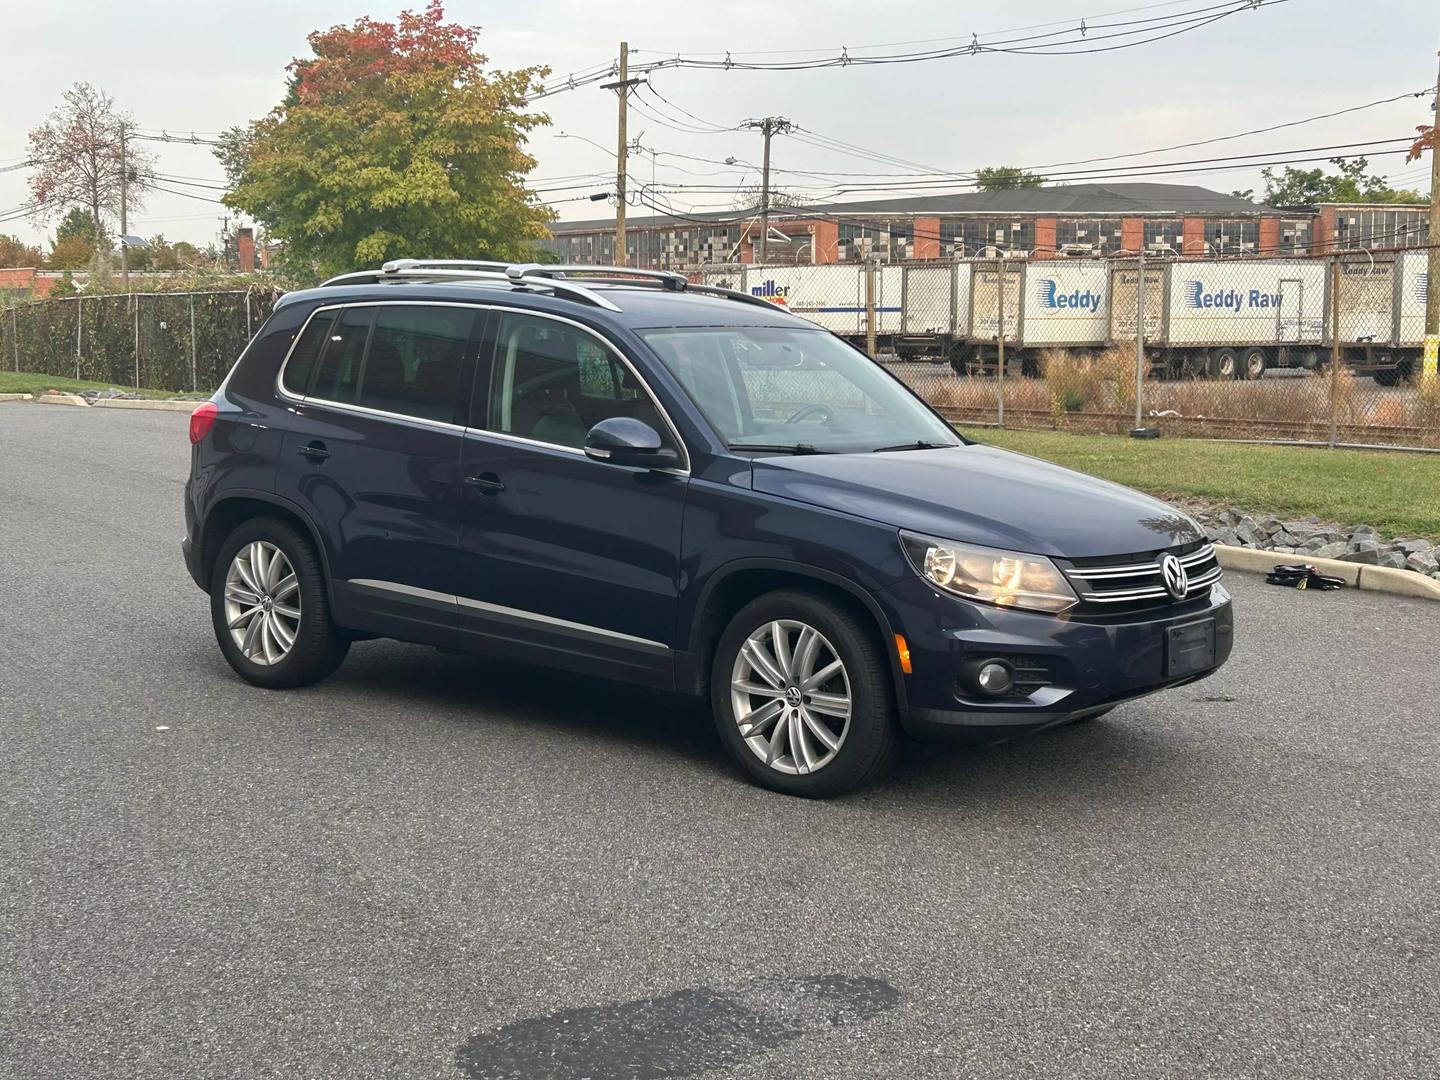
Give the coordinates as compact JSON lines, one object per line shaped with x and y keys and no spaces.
{"x":1290,"y":312}
{"x":372,"y":454}
{"x":561,"y":554}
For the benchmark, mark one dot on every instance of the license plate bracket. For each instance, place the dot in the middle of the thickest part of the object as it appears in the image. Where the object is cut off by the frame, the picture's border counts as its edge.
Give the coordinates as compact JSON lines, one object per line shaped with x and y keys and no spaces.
{"x":1189,"y":647}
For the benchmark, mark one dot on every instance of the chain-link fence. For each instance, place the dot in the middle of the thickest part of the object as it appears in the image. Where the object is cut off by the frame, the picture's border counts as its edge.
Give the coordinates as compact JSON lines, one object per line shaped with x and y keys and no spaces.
{"x":1324,"y":349}
{"x":153,"y":341}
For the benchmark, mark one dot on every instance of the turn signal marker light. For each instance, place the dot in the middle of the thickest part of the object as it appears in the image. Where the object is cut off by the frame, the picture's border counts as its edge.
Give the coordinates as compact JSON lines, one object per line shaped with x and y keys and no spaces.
{"x":902,"y":650}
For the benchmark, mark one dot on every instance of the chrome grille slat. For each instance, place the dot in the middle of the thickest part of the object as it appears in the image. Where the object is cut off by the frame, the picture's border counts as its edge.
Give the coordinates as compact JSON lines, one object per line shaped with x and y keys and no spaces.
{"x":1139,"y":584}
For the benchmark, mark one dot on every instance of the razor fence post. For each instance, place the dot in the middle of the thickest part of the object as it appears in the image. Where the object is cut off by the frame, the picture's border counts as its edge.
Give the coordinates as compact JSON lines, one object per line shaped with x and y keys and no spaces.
{"x":1000,"y":342}
{"x":248,"y":333}
{"x":1139,"y":338}
{"x":194,"y":377}
{"x":15,"y":337}
{"x":135,"y":306}
{"x":1334,"y":345}
{"x":79,"y":311}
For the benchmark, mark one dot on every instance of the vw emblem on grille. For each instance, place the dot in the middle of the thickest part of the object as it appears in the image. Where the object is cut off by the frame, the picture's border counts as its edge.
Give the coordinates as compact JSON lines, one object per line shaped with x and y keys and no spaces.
{"x":1177,"y":581}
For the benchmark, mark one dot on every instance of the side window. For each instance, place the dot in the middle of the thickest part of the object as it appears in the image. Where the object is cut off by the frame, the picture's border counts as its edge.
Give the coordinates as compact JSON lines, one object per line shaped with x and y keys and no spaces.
{"x":553,"y":382}
{"x":306,"y":353}
{"x":339,"y":373}
{"x":413,"y":363}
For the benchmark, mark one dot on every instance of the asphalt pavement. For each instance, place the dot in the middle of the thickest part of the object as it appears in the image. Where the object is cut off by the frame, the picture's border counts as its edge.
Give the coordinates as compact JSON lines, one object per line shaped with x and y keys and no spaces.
{"x":435,"y":866}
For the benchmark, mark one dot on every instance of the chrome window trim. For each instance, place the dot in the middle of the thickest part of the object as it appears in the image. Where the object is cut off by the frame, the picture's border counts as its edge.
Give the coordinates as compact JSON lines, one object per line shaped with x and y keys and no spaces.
{"x":343,"y":406}
{"x":552,"y":621}
{"x":286,"y":395}
{"x":683,"y":470}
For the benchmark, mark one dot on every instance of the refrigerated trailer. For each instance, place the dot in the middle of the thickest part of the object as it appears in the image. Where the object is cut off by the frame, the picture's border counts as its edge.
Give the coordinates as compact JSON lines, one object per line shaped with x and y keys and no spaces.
{"x":1223,"y":318}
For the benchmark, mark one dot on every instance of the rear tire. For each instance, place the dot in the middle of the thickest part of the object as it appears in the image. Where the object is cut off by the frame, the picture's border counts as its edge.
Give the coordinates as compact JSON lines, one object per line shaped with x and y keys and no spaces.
{"x":270,"y":609}
{"x":1253,"y":363}
{"x":825,"y":754}
{"x":1224,"y":364}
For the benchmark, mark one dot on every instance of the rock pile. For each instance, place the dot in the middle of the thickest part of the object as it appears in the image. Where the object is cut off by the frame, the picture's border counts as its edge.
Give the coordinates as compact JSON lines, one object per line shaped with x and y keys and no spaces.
{"x":1312,"y":538}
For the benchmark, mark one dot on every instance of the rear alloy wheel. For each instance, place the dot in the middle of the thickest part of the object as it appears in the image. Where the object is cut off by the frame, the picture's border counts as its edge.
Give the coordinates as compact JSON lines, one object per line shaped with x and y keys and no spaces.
{"x":1253,"y":363}
{"x":801,"y":696}
{"x":270,"y":609}
{"x":1224,"y":364}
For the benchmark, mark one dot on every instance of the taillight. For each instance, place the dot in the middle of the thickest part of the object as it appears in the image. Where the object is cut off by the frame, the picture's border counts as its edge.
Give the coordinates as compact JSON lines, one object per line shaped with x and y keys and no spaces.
{"x":202,"y":420}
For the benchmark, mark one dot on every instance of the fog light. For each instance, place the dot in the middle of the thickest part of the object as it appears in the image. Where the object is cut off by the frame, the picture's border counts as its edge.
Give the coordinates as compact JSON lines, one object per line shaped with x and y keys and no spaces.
{"x":994,"y":677}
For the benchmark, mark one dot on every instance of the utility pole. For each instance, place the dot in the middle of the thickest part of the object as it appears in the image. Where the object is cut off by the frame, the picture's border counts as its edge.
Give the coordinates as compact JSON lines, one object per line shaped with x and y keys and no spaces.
{"x":622,"y":147}
{"x":1432,"y":295}
{"x":124,"y":192}
{"x":768,"y":126}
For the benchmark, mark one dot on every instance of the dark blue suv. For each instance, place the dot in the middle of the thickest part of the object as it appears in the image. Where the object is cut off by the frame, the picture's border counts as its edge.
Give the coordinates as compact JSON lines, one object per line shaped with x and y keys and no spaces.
{"x":634,"y":477}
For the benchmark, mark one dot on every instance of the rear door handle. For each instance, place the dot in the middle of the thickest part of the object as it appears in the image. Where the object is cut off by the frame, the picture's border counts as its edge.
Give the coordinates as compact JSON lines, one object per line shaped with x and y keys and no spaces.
{"x":486,"y":483}
{"x":315,"y":451}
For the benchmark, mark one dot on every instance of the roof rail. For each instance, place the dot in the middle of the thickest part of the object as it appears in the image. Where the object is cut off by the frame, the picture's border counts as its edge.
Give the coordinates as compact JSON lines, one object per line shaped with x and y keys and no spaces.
{"x":669,"y":279}
{"x":559,"y":278}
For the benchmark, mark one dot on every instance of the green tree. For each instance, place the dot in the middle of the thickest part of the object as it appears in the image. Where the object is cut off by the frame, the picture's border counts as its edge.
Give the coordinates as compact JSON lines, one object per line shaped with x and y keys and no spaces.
{"x":1350,"y":183}
{"x":65,"y":286}
{"x":392,"y":140}
{"x":1006,"y":178}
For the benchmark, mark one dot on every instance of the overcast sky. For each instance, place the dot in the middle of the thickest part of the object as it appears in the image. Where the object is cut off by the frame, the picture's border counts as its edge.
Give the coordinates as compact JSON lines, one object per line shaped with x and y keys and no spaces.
{"x":203,"y":66}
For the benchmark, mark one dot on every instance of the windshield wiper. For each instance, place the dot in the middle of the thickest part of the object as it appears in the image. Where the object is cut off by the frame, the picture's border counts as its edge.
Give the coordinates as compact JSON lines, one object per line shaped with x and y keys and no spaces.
{"x":918,"y":444}
{"x":780,"y":448}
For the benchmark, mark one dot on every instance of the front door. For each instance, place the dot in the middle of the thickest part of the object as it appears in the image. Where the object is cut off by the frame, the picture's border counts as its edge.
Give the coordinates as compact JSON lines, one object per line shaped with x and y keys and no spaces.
{"x":560,"y":554}
{"x":372,"y":454}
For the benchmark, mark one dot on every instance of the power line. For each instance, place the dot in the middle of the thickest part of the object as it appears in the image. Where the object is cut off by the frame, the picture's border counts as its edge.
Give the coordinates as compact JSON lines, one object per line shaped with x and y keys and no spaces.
{"x":1075,"y":39}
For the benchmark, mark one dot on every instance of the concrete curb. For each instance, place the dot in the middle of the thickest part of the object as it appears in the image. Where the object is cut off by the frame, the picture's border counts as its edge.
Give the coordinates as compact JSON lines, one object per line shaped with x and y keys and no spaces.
{"x":1356,"y":575}
{"x":17,"y":397}
{"x":163,"y":405}
{"x":63,"y":399}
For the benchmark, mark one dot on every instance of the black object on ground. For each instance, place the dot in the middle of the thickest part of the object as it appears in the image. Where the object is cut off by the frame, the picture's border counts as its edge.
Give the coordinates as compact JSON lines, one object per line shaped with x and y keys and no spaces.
{"x":1302,"y":576}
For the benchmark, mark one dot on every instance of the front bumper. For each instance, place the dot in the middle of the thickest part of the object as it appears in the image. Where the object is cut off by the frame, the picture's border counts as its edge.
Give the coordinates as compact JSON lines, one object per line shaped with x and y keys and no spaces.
{"x":1089,"y":665}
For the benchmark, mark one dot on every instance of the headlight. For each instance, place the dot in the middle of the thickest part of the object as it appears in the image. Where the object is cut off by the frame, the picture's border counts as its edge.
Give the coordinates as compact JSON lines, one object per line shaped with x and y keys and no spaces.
{"x":1002,"y":578}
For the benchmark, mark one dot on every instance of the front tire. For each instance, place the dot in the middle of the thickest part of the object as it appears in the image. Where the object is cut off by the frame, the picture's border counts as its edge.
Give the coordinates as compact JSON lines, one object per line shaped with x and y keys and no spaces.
{"x":269,"y":607}
{"x":802,"y":697}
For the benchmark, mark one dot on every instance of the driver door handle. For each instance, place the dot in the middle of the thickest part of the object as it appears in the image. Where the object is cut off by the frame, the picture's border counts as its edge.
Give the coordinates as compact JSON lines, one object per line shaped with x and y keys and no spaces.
{"x":486,"y":483}
{"x":315,"y":451}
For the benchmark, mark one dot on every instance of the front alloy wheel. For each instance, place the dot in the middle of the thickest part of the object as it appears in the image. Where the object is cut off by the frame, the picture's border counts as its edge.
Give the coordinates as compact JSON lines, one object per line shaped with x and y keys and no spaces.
{"x":802,"y":694}
{"x":262,"y":603}
{"x":790,"y":696}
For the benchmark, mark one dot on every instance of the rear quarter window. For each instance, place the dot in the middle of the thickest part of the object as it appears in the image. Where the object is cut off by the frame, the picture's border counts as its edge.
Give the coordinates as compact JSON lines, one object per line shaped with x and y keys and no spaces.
{"x":305,"y":355}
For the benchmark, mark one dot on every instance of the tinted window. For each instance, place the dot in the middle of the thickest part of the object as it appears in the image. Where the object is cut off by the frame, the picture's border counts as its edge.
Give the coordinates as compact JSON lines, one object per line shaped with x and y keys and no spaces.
{"x":413,"y":364}
{"x":553,"y":382}
{"x":306,"y":353}
{"x":339,"y":372}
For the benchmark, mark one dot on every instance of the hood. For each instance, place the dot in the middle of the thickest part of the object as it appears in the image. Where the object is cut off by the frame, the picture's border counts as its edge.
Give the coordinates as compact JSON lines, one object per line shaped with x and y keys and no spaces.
{"x":981,"y":495}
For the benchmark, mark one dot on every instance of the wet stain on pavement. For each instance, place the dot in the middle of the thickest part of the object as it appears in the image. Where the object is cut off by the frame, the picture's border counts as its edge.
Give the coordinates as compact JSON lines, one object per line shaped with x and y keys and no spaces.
{"x":676,"y":1034}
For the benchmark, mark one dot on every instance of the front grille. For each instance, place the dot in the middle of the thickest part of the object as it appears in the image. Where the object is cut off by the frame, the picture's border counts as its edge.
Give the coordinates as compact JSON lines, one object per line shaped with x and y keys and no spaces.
{"x":1118,"y":585}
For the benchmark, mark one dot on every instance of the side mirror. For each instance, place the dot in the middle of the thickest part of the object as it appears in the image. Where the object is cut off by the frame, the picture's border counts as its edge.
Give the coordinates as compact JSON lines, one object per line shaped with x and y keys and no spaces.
{"x":623,"y":440}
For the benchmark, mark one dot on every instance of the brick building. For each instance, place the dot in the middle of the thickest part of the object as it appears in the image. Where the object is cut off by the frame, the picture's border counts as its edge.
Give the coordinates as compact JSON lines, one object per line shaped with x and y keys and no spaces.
{"x":1078,"y":219}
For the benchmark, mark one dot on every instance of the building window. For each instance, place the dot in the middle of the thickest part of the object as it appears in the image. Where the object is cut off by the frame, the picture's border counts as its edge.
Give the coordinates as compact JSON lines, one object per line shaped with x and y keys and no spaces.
{"x":1166,"y":236}
{"x":1381,"y":228}
{"x":1088,"y":236}
{"x":1240,"y":237}
{"x":1294,"y":237}
{"x":1004,"y":236}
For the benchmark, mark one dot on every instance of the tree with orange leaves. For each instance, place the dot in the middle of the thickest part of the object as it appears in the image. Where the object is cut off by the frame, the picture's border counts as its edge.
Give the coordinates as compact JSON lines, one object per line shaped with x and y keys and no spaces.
{"x":393,"y":140}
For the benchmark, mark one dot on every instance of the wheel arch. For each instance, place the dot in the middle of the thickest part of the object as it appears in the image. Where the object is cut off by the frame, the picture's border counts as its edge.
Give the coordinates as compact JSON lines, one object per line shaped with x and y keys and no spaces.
{"x":737,"y":583}
{"x":235,"y":508}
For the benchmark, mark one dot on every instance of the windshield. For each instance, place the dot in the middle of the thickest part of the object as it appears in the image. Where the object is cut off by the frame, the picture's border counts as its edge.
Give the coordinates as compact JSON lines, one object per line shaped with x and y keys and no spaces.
{"x":795,"y":390}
